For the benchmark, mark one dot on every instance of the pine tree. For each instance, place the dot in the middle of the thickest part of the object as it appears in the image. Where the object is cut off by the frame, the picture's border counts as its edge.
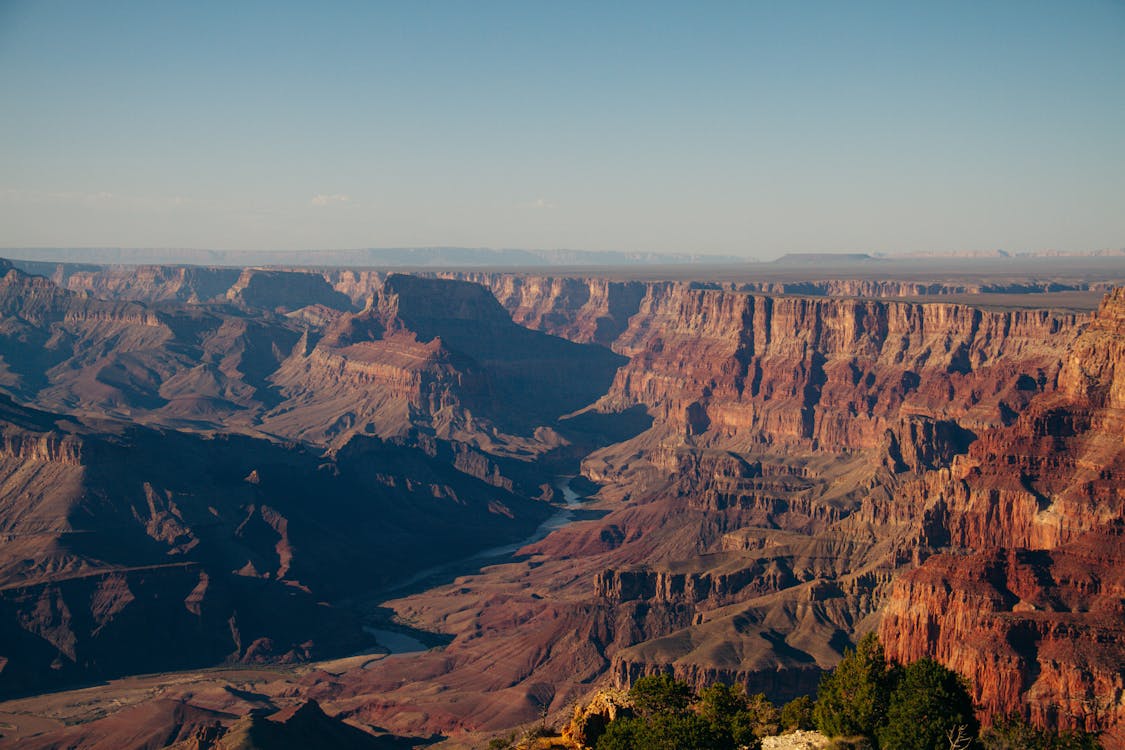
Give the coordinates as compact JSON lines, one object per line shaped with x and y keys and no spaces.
{"x":852,"y":699}
{"x":928,"y":703}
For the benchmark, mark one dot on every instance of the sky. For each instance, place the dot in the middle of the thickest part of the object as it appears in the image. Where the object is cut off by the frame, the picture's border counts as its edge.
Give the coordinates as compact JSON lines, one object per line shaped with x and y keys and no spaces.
{"x":745,"y":128}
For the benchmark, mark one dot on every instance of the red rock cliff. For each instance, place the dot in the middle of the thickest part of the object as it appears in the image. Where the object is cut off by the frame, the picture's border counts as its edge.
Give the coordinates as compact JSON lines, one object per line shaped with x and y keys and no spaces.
{"x":828,"y":374}
{"x":1034,"y":618}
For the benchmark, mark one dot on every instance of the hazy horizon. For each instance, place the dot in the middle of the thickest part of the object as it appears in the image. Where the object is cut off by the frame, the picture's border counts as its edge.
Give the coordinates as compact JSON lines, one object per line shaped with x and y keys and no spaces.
{"x":751,"y":130}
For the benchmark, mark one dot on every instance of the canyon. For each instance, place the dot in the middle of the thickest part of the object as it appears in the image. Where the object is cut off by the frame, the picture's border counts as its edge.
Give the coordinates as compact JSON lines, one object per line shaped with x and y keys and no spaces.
{"x":261,"y":464}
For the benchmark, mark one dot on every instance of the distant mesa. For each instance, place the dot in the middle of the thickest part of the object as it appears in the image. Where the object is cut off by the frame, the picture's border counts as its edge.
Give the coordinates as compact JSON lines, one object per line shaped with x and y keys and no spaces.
{"x":285,"y":290}
{"x":393,"y":257}
{"x":830,"y":259}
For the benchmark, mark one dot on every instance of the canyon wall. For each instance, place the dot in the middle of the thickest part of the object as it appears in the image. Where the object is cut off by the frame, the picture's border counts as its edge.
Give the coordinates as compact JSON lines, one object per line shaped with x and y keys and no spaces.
{"x":829,"y":374}
{"x":757,"y":528}
{"x":720,"y":367}
{"x":442,"y":356}
{"x":780,"y":470}
{"x":228,"y":547}
{"x":1030,"y":609}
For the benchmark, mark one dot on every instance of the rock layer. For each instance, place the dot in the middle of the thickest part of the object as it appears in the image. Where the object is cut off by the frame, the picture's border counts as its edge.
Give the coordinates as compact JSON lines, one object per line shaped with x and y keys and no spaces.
{"x":1034,"y":618}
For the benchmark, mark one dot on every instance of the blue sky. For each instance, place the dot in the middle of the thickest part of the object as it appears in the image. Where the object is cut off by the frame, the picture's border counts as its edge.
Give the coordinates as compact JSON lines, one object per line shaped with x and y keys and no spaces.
{"x":751,"y":128}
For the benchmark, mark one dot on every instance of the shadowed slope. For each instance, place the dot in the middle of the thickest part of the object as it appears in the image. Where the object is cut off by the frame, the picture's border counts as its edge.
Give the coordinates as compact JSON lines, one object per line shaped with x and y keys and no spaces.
{"x":117,"y":546}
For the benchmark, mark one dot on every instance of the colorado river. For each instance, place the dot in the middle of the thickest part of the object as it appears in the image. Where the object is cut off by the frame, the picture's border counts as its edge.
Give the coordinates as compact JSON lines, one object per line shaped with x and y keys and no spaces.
{"x":399,"y":641}
{"x":396,"y":642}
{"x":565,"y":515}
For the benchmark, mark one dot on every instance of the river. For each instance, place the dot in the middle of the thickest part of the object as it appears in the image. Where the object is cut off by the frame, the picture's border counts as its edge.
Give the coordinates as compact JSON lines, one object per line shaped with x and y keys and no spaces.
{"x":400,"y":641}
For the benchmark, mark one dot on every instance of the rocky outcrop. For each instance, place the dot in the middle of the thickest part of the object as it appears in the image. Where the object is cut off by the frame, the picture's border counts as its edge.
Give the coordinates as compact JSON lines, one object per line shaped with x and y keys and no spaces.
{"x":581,"y":307}
{"x":1033,"y":615}
{"x":590,"y":719}
{"x":112,"y":622}
{"x":284,"y":290}
{"x":441,"y":356}
{"x":34,"y":300}
{"x":192,"y":284}
{"x":711,"y":587}
{"x":1094,"y":372}
{"x":72,"y":352}
{"x":882,"y":288}
{"x":797,"y":740}
{"x":756,"y":528}
{"x":921,"y":444}
{"x":1035,"y":631}
{"x":586,"y":310}
{"x":293,"y":728}
{"x":716,"y":367}
{"x":49,"y":448}
{"x":359,"y":286}
{"x":774,"y":465}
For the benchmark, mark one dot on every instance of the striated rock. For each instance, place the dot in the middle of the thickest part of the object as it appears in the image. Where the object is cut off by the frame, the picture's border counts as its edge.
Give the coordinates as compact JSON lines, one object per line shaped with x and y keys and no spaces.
{"x":775,"y":466}
{"x":153,"y":724}
{"x":592,"y":310}
{"x":921,"y":444}
{"x":1039,"y":632}
{"x":426,"y":357}
{"x":146,"y":283}
{"x":293,"y":728}
{"x":442,"y":356}
{"x":828,"y":374}
{"x":1095,"y":368}
{"x":1036,"y":620}
{"x":758,"y":526}
{"x":76,"y":353}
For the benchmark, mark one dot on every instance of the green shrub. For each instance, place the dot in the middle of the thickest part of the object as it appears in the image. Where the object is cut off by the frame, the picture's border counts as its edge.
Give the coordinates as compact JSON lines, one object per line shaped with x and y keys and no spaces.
{"x":679,"y":731}
{"x":731,"y":713}
{"x":683,"y":732}
{"x":1013,"y":732}
{"x":927,"y":704}
{"x":661,"y":694}
{"x":852,"y":743}
{"x":797,"y":714}
{"x":501,"y":743}
{"x":852,"y":699}
{"x":621,"y":734}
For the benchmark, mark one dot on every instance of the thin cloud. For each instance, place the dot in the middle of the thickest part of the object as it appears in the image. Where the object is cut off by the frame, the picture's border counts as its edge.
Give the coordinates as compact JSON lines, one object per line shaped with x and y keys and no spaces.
{"x":98,"y":199}
{"x":329,"y":200}
{"x":542,"y":203}
{"x":60,"y":196}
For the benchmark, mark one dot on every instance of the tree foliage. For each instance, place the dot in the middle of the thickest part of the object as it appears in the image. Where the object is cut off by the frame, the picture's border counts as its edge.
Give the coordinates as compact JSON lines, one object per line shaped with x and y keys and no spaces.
{"x":622,"y":734}
{"x":671,"y":718}
{"x":678,"y":731}
{"x":928,"y":703}
{"x":1013,"y":732}
{"x":864,"y":703}
{"x":731,"y":712}
{"x":661,"y":694}
{"x":852,"y":699}
{"x":797,"y":714}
